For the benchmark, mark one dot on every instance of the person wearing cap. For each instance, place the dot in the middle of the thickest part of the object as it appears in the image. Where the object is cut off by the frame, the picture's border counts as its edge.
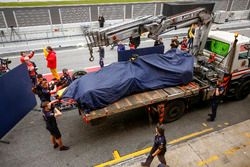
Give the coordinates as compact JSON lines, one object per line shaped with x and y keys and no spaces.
{"x":49,"y":114}
{"x":158,"y":149}
{"x":23,"y":55}
{"x":50,"y":56}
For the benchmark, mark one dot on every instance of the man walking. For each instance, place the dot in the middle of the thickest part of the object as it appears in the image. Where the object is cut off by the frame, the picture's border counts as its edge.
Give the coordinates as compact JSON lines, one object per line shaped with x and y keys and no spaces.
{"x":158,"y":149}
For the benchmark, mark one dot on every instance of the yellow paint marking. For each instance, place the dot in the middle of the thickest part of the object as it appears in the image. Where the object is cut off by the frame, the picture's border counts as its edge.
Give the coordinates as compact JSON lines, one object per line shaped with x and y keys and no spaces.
{"x":247,"y":134}
{"x":232,"y":150}
{"x":204,"y":124}
{"x":190,"y":136}
{"x":135,"y":154}
{"x":207,"y":161}
{"x":116,"y":154}
{"x":147,"y":150}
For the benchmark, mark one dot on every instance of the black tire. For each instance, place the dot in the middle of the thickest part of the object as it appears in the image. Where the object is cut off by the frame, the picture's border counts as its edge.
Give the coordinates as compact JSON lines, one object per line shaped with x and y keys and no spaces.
{"x":78,"y":74}
{"x":243,"y":90}
{"x":174,"y":110}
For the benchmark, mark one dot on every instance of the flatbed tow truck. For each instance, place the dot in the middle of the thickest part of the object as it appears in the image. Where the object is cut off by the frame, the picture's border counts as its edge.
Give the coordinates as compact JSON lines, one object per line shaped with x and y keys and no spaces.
{"x":220,"y":56}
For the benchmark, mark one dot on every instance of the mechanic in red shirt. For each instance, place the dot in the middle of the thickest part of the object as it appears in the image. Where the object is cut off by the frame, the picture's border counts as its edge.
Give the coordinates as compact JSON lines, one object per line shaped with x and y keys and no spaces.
{"x":23,"y":55}
{"x":31,"y":69}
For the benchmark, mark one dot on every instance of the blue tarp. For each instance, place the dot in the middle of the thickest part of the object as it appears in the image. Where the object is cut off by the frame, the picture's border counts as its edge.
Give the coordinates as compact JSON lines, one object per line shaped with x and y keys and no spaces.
{"x":127,"y":54}
{"x":111,"y":83}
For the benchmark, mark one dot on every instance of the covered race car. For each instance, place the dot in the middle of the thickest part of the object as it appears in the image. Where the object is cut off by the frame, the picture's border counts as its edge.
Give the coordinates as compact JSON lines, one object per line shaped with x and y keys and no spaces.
{"x":113,"y":82}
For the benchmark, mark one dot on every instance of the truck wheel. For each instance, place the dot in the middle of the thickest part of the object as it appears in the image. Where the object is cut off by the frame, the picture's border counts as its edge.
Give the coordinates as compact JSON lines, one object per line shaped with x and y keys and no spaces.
{"x":243,"y":90}
{"x":78,"y":74}
{"x":174,"y":110}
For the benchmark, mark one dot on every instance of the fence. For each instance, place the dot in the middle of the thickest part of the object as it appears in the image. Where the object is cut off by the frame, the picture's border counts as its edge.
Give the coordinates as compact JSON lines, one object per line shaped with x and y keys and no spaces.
{"x":35,"y":16}
{"x":65,"y":21}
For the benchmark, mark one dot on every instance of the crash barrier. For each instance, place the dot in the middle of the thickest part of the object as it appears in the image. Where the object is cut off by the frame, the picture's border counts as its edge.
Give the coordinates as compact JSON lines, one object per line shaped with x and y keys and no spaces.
{"x":16,"y":97}
{"x":170,"y":9}
{"x":127,"y":54}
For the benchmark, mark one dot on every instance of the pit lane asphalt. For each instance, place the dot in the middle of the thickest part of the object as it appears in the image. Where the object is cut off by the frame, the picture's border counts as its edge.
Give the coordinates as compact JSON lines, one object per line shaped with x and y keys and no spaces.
{"x":125,"y":132}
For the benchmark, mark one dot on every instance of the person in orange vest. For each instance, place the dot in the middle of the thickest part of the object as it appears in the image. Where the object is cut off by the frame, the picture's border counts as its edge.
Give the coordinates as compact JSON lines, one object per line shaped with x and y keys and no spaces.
{"x":50,"y":56}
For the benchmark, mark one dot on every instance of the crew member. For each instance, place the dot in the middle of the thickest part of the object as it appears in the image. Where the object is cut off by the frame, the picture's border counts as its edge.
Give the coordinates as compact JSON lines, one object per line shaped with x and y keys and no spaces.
{"x":158,"y":149}
{"x":49,"y":114}
{"x":191,"y":33}
{"x":65,"y":79}
{"x":120,"y":47}
{"x":101,"y":21}
{"x":101,"y":56}
{"x":31,"y":69}
{"x":215,"y":100}
{"x":158,"y":42}
{"x":174,"y":43}
{"x":115,"y":42}
{"x":23,"y":55}
{"x":50,"y":56}
{"x":42,"y":90}
{"x":184,"y":44}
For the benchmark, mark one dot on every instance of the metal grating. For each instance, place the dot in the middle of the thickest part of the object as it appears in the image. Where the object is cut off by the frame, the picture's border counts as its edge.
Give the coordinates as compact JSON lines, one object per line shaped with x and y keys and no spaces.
{"x":239,"y":5}
{"x":32,"y":17}
{"x":143,"y":10}
{"x":112,"y":12}
{"x":2,"y":23}
{"x":75,"y":14}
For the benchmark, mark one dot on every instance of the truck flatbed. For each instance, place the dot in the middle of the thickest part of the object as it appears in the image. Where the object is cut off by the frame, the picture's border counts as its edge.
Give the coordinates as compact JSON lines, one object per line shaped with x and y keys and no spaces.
{"x":145,"y":98}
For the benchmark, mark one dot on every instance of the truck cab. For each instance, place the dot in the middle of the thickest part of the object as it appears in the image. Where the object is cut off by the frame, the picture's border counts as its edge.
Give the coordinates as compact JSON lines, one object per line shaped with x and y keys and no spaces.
{"x":235,"y":60}
{"x":220,"y":43}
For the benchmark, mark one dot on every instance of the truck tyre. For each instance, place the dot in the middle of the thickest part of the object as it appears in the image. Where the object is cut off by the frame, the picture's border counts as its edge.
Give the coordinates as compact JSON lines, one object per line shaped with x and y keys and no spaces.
{"x":174,"y":110}
{"x":243,"y":91}
{"x":78,"y":74}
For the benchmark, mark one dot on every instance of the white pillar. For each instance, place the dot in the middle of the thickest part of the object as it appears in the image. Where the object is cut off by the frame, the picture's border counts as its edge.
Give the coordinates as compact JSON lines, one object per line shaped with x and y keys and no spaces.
{"x":132,"y":11}
{"x":98,"y":10}
{"x":155,"y":9}
{"x":50,"y":20}
{"x":124,"y":12}
{"x":90,"y":19}
{"x":4,"y":19}
{"x":14,"y":14}
{"x":60,"y":14}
